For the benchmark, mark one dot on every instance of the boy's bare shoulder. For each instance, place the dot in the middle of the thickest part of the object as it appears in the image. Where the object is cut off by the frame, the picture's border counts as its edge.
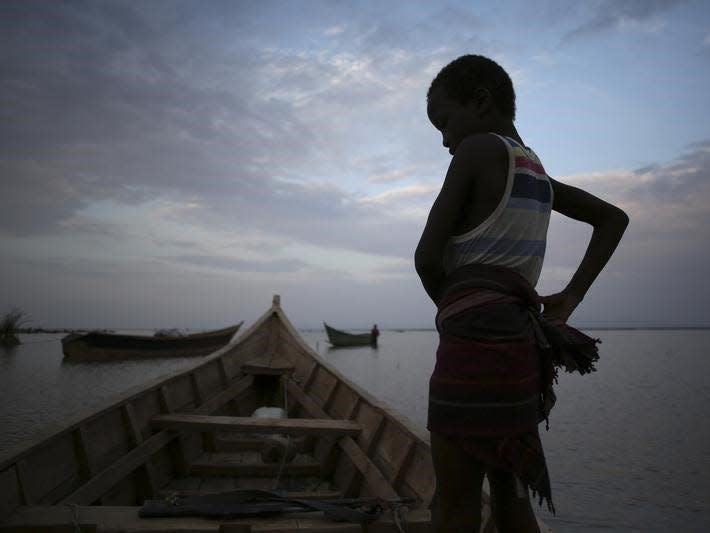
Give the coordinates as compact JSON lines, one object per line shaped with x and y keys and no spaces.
{"x":483,"y":140}
{"x":481,"y":149}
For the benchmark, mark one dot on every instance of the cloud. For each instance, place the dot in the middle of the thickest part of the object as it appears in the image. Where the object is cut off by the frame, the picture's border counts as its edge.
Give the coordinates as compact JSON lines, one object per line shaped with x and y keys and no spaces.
{"x":391,"y":196}
{"x":662,"y":194}
{"x":103,"y":109}
{"x":333,"y":30}
{"x":656,"y":274}
{"x":607,"y":15}
{"x":242,"y":265}
{"x":389,"y":175}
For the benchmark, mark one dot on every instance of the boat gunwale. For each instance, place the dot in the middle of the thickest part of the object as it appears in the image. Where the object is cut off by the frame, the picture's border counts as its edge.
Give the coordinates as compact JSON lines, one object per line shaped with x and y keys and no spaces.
{"x":117,"y":400}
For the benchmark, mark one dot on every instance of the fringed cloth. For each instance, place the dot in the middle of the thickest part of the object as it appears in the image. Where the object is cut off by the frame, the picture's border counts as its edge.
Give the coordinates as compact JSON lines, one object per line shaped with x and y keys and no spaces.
{"x":495,"y":366}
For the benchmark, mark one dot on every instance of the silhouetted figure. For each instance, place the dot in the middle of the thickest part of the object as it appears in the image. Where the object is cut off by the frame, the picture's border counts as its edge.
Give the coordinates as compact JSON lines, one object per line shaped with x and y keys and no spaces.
{"x":374,"y":333}
{"x":479,"y":259}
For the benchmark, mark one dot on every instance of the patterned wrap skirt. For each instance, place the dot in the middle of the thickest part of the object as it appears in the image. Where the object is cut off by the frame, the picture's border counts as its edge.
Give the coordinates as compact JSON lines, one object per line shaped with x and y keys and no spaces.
{"x":495,"y":365}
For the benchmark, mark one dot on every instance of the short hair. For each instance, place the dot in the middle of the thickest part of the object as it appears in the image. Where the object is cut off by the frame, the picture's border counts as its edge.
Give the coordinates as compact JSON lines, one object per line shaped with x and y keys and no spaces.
{"x":466,"y":73}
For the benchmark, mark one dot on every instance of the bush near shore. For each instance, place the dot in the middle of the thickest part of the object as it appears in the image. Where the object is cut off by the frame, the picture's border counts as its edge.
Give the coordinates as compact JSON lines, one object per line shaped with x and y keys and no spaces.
{"x":10,"y":324}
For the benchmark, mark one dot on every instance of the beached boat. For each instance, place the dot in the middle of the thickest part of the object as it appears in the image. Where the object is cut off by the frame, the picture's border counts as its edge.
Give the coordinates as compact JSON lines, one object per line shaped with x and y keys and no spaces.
{"x":102,"y":346}
{"x":337,"y":337}
{"x":184,"y":453}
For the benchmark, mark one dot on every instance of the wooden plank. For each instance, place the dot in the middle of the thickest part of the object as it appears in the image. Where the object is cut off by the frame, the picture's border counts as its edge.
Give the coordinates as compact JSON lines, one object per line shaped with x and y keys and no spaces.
{"x":118,"y":518}
{"x":196,"y":388}
{"x":9,"y":488}
{"x":379,"y":486}
{"x":268,"y":365}
{"x":400,"y":468}
{"x":372,"y":476}
{"x":330,"y":395}
{"x":207,"y":437}
{"x":21,"y":467}
{"x":273,"y":336}
{"x":223,"y":374}
{"x":305,"y":401}
{"x":235,"y":528}
{"x":137,"y":438}
{"x":177,"y":450}
{"x":133,"y":430}
{"x":235,"y":390}
{"x":86,"y":466}
{"x":106,"y":479}
{"x":297,"y":494}
{"x":165,"y":403}
{"x":224,"y":443}
{"x":322,"y":385}
{"x":286,"y":426}
{"x":240,"y":470}
{"x":311,"y":375}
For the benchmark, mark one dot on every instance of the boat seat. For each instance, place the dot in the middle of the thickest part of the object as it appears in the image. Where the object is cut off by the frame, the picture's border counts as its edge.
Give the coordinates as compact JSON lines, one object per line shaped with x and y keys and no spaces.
{"x":246,"y":424}
{"x":268,"y":366}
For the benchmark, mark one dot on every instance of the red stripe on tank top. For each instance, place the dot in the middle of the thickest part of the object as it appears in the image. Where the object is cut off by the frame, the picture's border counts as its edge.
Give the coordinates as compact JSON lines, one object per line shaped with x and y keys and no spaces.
{"x":522,"y":161}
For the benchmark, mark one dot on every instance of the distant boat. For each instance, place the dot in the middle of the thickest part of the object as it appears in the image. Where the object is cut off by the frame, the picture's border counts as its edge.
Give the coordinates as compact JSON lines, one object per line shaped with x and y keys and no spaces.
{"x":343,"y":338}
{"x":99,"y":346}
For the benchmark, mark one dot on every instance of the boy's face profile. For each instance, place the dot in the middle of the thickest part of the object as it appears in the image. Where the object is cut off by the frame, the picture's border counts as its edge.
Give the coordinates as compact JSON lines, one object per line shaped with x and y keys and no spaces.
{"x":454,"y":120}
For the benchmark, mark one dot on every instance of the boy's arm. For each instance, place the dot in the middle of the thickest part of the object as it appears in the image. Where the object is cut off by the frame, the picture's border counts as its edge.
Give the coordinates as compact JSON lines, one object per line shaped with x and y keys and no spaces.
{"x":477,"y":158}
{"x":609,"y":223}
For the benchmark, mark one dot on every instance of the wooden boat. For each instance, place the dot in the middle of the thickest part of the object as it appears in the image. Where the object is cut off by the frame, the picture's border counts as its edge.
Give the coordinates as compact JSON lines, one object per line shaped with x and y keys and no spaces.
{"x":337,"y":337}
{"x":101,"y":346}
{"x":187,"y":444}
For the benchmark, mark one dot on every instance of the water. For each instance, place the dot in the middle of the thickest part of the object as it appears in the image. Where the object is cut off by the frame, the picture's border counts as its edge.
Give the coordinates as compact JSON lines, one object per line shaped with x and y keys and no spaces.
{"x":628,"y":447}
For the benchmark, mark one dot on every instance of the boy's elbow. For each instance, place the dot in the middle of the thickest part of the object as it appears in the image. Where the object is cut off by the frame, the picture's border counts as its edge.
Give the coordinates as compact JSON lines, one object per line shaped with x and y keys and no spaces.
{"x":620,"y":219}
{"x":611,"y":218}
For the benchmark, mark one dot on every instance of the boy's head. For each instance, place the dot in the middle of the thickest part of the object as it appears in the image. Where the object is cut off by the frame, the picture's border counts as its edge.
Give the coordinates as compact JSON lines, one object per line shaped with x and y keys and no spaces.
{"x":461,"y":78}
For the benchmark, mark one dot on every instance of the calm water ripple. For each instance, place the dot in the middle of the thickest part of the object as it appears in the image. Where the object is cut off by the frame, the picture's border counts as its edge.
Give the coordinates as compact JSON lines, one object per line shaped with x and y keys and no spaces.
{"x":628,"y":447}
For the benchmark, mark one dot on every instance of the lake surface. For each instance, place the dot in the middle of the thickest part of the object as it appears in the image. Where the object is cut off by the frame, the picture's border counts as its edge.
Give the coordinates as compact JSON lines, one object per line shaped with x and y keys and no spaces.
{"x":628,"y":447}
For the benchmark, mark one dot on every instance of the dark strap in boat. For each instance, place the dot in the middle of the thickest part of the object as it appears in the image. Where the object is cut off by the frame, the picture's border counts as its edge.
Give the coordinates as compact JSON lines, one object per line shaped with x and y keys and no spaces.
{"x":243,"y":503}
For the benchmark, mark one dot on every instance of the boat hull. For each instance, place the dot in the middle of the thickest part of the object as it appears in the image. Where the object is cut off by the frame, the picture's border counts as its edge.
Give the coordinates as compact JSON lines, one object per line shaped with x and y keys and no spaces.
{"x":337,"y":337}
{"x":95,"y":346}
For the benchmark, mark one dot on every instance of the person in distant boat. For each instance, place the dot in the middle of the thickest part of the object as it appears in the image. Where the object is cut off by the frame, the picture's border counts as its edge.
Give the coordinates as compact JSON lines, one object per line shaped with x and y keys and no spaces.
{"x":479,"y":259}
{"x":374,"y":333}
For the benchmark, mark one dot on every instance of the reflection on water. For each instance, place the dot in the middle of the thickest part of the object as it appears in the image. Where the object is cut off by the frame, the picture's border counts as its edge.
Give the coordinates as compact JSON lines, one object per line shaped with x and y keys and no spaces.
{"x":41,"y":391}
{"x":628,"y":447}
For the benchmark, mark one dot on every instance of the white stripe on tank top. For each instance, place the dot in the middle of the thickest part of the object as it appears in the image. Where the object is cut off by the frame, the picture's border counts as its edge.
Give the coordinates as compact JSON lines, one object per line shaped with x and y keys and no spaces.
{"x":515,"y":234}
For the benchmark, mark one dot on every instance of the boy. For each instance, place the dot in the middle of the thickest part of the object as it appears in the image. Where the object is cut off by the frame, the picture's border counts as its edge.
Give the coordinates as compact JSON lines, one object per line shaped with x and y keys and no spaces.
{"x":479,"y":258}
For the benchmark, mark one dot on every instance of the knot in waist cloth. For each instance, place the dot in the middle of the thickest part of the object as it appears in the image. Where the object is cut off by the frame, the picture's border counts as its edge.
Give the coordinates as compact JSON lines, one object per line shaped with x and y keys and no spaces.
{"x":498,"y":356}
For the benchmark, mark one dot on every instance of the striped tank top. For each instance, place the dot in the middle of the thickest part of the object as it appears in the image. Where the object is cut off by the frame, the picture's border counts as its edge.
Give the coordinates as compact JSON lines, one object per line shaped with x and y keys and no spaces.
{"x":515,"y":234}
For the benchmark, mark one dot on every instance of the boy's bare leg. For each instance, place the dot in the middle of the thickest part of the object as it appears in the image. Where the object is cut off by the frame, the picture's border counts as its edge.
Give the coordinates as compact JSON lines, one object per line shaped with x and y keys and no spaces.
{"x":457,"y":501}
{"x":512,"y":512}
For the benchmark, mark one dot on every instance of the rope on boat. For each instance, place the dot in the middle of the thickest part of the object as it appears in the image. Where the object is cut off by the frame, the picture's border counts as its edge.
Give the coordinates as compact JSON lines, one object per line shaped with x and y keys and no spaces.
{"x":288,"y":443}
{"x":74,"y":507}
{"x":398,"y":512}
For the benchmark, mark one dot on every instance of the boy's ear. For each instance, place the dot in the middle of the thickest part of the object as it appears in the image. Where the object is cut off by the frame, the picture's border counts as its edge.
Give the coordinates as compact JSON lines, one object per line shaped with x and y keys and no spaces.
{"x":483,"y":99}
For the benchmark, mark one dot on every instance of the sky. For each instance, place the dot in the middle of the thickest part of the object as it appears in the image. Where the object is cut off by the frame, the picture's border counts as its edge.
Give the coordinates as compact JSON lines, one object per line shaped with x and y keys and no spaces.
{"x":175,"y":164}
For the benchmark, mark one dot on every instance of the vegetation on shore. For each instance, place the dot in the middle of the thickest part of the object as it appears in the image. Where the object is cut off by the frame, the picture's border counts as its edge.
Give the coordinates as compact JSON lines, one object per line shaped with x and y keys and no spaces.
{"x":10,"y":324}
